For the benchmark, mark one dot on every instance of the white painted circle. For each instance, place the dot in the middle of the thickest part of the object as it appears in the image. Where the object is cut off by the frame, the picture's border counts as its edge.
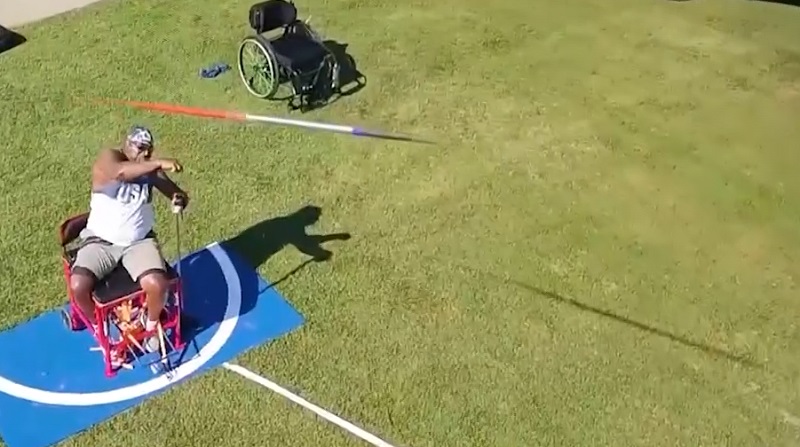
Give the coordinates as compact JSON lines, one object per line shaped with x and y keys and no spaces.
{"x":183,"y":370}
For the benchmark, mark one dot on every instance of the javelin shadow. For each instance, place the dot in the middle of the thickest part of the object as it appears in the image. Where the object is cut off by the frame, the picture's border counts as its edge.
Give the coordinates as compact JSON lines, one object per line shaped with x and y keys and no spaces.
{"x":783,"y":2}
{"x":206,"y":303}
{"x":717,"y":352}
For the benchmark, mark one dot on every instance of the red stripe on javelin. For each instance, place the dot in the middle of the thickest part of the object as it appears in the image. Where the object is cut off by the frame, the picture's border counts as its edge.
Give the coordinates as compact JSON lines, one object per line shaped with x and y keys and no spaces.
{"x":185,"y":110}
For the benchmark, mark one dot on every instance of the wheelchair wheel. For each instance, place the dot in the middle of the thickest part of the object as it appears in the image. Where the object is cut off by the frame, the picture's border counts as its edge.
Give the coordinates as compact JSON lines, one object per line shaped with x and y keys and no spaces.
{"x":258,"y":67}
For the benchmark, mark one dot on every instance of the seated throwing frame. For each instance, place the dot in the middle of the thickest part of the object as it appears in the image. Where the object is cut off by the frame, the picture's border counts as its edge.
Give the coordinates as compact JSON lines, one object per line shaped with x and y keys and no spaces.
{"x":295,"y":54}
{"x":118,"y":301}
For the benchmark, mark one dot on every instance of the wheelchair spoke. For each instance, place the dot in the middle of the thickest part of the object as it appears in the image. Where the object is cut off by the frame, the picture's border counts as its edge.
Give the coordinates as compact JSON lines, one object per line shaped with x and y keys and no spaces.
{"x":259,"y":63}
{"x":263,"y":83}
{"x":253,"y":57}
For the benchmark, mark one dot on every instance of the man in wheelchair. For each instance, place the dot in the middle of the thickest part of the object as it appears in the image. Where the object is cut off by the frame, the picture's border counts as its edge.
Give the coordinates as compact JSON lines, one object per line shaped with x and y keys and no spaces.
{"x":120,"y":225}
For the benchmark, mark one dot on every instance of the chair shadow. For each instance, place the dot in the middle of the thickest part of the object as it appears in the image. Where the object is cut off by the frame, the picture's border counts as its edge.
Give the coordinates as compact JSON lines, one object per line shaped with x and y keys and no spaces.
{"x":9,"y":39}
{"x":717,"y":352}
{"x":255,"y":246}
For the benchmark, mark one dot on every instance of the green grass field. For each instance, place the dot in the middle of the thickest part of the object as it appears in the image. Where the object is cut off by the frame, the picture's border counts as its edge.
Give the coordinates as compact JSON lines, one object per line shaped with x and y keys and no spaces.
{"x":601,"y":251}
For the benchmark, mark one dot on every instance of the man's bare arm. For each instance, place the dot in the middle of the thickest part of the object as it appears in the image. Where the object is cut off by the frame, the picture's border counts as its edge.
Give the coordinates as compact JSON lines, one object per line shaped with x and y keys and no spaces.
{"x":108,"y":167}
{"x":163,"y":183}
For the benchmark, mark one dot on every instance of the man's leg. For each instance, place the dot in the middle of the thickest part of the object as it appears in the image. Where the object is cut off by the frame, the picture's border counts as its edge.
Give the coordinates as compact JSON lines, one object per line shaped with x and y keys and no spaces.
{"x":92,"y":262}
{"x":144,"y":263}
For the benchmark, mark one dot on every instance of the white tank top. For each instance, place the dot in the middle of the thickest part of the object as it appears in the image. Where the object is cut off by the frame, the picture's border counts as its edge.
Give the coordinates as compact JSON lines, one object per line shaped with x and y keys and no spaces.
{"x":122,"y":212}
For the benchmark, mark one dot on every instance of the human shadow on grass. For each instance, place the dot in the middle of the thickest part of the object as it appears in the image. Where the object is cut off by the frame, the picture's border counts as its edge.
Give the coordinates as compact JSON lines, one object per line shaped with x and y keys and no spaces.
{"x":717,"y":352}
{"x":264,"y":239}
{"x":9,"y":39}
{"x":255,"y":245}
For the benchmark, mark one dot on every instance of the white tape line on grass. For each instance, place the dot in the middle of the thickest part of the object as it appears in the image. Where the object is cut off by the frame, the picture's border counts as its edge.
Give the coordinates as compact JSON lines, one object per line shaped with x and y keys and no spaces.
{"x":321,"y":412}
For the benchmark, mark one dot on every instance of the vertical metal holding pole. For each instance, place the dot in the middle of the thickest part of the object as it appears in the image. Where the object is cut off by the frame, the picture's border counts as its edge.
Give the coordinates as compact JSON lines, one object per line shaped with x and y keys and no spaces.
{"x":178,"y":212}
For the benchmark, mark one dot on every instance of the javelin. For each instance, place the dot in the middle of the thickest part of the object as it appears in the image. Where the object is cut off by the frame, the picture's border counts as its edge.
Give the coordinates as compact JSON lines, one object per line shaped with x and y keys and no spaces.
{"x":244,"y":117}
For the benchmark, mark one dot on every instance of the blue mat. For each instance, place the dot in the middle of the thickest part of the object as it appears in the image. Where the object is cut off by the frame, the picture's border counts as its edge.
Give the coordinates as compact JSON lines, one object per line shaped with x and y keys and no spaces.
{"x":52,"y":384}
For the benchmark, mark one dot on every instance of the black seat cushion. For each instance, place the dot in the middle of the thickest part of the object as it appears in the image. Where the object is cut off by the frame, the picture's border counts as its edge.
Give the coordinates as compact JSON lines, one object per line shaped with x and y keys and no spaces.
{"x":116,"y":284}
{"x":119,"y":283}
{"x":299,"y":53}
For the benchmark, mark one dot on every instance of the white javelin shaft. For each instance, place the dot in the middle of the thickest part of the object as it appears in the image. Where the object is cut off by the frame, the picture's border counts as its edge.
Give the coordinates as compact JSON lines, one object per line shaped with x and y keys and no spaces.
{"x":308,"y":124}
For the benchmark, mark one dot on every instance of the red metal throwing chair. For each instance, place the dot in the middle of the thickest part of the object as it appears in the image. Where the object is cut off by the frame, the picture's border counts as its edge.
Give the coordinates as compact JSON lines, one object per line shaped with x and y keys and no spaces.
{"x":118,"y":303}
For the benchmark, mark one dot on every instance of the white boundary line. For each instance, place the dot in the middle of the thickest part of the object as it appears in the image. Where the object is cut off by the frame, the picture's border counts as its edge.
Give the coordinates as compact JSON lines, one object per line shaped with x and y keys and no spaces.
{"x":327,"y":415}
{"x":182,"y":371}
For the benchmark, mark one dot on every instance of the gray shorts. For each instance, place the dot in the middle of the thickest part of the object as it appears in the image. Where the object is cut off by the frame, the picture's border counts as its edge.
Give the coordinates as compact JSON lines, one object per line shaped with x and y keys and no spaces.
{"x":101,"y":258}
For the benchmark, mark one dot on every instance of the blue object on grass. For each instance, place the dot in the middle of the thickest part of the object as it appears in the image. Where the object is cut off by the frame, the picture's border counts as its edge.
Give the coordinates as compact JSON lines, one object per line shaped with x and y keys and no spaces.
{"x":214,"y":70}
{"x":52,"y":383}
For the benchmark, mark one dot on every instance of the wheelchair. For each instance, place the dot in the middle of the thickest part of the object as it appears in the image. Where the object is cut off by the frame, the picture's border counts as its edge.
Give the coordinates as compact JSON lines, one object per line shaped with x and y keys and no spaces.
{"x":119,"y":301}
{"x":294,"y":56}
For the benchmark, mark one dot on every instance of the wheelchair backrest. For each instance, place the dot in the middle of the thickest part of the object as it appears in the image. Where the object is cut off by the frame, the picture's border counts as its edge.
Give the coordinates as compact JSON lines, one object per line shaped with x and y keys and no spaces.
{"x":71,"y":228}
{"x":271,"y":15}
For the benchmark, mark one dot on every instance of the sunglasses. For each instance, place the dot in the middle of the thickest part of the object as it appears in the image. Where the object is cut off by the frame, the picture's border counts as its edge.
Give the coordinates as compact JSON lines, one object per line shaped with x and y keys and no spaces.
{"x":143,"y":148}
{"x":145,"y":153}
